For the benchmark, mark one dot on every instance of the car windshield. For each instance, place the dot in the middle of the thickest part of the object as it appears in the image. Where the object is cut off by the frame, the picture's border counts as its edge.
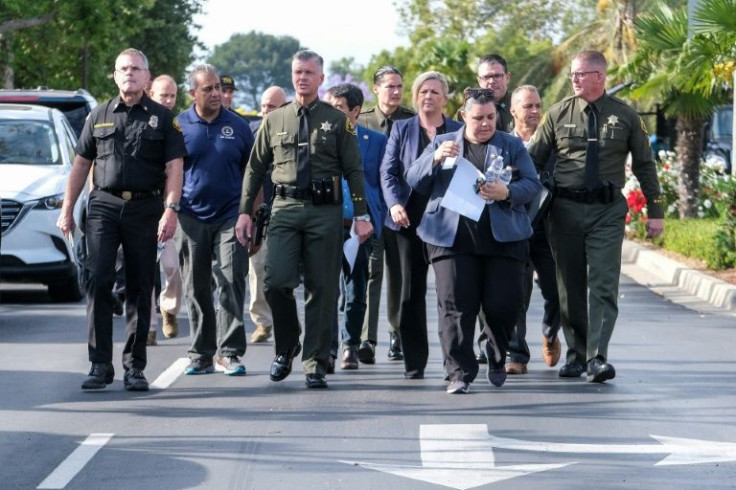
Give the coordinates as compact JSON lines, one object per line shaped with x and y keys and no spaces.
{"x":28,"y":142}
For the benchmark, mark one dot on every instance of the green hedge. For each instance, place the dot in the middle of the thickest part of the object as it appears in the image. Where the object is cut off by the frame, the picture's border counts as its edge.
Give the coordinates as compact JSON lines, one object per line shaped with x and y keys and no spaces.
{"x":702,"y":238}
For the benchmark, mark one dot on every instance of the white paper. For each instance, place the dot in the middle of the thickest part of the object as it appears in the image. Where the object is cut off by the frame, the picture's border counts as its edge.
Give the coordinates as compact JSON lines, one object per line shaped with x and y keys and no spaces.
{"x":350,"y":248}
{"x":460,"y":195}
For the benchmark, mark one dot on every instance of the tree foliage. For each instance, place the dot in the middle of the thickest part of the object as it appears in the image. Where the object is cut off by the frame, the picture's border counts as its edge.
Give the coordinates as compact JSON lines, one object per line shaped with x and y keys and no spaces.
{"x":77,"y":45}
{"x":256,"y":61}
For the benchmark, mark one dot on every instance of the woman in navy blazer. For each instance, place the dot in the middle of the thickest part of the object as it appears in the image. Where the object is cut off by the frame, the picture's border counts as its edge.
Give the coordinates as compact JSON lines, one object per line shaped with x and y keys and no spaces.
{"x":477,"y":264}
{"x":408,"y":139}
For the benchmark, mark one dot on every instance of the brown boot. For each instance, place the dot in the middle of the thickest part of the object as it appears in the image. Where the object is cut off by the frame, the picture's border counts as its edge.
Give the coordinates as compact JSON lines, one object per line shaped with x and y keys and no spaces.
{"x":260,"y":334}
{"x":170,"y":327}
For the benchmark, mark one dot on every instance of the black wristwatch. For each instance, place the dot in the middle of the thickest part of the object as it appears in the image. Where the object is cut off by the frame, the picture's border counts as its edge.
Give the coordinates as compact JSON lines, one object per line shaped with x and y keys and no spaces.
{"x":173,"y":205}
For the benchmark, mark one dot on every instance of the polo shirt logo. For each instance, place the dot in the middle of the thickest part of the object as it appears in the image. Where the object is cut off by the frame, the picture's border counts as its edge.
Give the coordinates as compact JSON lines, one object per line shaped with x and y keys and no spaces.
{"x":227,"y":132}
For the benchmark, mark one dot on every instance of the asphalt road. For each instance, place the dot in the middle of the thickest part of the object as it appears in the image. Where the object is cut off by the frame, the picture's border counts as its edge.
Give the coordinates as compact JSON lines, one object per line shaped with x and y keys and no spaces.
{"x":668,"y":420}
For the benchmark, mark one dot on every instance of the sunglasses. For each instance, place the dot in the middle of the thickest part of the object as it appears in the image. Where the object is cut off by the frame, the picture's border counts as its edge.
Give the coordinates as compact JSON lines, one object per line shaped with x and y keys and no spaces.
{"x":477,"y":93}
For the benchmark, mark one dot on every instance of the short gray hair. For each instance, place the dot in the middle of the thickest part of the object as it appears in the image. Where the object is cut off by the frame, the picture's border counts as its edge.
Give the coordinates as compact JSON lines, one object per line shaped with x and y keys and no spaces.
{"x":205,"y":68}
{"x":134,"y":52}
{"x":306,"y":55}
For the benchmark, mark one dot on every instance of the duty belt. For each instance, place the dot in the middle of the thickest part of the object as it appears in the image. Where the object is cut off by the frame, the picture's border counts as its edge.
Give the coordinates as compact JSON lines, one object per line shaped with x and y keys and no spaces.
{"x":581,"y":195}
{"x":130,"y":195}
{"x":292,"y":191}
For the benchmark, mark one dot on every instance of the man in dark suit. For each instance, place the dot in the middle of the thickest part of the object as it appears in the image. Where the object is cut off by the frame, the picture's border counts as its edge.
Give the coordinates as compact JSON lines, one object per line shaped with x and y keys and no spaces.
{"x":348,"y":98}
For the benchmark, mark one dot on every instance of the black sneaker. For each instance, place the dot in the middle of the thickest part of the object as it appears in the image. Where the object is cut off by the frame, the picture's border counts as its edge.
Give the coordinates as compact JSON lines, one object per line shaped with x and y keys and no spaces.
{"x":134,"y":380}
{"x":99,"y":377}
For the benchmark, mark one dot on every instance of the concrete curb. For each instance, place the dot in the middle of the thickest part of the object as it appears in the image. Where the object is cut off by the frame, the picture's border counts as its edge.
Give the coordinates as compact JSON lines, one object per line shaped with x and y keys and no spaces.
{"x":661,"y":271}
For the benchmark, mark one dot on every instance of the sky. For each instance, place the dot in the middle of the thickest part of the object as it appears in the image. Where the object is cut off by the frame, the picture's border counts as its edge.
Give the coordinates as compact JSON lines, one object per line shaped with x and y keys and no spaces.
{"x":333,"y":28}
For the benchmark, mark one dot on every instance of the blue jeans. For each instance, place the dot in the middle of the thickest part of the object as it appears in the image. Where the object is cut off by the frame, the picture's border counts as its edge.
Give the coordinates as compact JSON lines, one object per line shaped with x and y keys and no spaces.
{"x":352,"y":301}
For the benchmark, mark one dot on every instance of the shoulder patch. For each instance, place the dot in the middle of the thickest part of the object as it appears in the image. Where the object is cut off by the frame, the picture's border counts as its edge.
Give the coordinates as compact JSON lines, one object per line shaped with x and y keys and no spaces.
{"x":175,"y":123}
{"x":350,"y":127}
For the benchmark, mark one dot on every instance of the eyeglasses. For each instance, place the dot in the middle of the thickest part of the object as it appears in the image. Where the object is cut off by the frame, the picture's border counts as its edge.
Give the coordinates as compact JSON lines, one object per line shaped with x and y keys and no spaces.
{"x":581,"y":74}
{"x":491,"y":76}
{"x":132,"y":69}
{"x":477,"y":93}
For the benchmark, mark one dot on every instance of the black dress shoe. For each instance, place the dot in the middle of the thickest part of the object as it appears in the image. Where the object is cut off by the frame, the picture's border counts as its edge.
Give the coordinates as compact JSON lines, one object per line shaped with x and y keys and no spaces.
{"x":414,"y":375}
{"x":315,"y":380}
{"x":281,"y":365}
{"x":134,"y":380}
{"x":331,"y":364}
{"x":572,"y":370}
{"x":599,"y":371}
{"x":394,"y":348}
{"x":367,"y":352}
{"x":349,"y":358}
{"x":99,"y":376}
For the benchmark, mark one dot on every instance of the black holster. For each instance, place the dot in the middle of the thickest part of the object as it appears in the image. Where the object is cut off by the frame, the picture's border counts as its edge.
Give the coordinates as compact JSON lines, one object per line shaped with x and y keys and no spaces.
{"x":261,"y":219}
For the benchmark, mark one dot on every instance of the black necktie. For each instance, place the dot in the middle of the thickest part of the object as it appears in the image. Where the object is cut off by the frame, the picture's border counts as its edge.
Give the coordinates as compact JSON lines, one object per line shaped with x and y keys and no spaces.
{"x":303,"y":174}
{"x":591,"y":153}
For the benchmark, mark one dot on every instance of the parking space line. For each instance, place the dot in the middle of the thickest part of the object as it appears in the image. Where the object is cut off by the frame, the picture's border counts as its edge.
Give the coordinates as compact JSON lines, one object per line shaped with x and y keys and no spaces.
{"x":171,"y":373}
{"x":73,"y":464}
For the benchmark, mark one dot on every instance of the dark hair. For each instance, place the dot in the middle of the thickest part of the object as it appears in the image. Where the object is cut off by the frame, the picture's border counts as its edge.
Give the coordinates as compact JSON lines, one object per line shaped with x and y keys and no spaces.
{"x":352,"y":93}
{"x":477,"y":95}
{"x":494,"y":58}
{"x":306,"y":55}
{"x":385,"y":70}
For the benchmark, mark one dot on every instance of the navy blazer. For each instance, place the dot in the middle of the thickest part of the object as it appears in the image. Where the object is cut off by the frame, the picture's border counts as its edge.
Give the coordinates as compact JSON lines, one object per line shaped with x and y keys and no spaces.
{"x":372,"y":145}
{"x":401,"y":152}
{"x":509,"y":220}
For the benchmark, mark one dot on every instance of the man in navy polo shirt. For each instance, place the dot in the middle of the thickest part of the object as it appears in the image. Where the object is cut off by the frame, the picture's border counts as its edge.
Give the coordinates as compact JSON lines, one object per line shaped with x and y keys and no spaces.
{"x":219,"y":143}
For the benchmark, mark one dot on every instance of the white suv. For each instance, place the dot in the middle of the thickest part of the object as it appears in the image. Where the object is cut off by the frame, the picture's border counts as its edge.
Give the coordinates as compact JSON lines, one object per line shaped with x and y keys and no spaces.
{"x":36,"y":154}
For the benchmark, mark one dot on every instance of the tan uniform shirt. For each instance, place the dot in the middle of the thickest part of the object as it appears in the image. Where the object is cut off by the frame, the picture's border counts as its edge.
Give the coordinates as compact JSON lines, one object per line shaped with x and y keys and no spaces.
{"x":333,"y":151}
{"x":621,"y":131}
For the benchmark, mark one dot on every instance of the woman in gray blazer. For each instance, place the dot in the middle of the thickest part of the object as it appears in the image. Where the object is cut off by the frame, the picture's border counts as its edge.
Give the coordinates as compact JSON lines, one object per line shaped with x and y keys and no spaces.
{"x":477,"y":264}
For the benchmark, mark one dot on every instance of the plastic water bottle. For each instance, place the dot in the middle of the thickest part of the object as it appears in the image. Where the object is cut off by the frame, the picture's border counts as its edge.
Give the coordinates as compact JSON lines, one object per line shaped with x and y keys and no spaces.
{"x":159,"y":250}
{"x":494,"y":168}
{"x":505,"y":175}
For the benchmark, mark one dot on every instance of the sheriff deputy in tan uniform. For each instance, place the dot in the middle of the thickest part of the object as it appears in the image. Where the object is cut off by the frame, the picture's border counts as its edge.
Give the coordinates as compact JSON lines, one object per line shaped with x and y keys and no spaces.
{"x":592,"y":134}
{"x":311,"y":146}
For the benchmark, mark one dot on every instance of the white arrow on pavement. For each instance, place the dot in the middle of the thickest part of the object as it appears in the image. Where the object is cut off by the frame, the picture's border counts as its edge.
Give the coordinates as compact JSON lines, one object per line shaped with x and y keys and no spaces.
{"x":461,"y":456}
{"x":679,"y":451}
{"x":458,"y":456}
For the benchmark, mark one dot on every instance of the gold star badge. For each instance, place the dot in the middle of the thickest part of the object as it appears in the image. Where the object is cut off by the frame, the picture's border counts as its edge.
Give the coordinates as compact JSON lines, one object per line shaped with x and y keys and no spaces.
{"x":326,"y":127}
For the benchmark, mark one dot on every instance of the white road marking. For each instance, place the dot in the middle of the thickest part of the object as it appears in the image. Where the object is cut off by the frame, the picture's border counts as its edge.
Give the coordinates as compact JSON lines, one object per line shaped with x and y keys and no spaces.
{"x":73,"y":464}
{"x":171,"y":373}
{"x":461,"y":456}
{"x":458,"y":456}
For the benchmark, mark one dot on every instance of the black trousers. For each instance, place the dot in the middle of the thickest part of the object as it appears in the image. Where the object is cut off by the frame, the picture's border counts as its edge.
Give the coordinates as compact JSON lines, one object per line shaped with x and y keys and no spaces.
{"x":465,"y":285}
{"x":413,"y":269}
{"x":112,"y":222}
{"x":542,"y":261}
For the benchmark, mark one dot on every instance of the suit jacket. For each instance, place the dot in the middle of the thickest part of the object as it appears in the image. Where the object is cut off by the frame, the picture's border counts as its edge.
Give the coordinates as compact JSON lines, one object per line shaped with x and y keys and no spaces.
{"x":401,"y":152}
{"x":509,"y":220}
{"x":372,"y":145}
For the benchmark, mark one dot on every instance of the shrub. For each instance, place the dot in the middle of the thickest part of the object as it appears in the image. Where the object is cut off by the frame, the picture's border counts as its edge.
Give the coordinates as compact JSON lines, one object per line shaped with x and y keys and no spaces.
{"x":697,"y":238}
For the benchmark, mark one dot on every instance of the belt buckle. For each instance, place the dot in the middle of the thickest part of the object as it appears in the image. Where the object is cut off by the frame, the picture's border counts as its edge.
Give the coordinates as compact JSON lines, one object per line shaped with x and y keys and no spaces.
{"x":127,"y":195}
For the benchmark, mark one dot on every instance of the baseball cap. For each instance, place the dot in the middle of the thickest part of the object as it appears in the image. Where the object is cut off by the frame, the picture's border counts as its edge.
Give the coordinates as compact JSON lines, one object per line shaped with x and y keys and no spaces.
{"x":226,"y":81}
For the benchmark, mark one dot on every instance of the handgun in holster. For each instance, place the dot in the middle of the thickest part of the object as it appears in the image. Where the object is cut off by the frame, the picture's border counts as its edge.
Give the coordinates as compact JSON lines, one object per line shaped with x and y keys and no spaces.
{"x":262,"y":217}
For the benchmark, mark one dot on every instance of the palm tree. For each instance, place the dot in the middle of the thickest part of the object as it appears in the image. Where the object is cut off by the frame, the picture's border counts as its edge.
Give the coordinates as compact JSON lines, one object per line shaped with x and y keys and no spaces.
{"x":671,"y":68}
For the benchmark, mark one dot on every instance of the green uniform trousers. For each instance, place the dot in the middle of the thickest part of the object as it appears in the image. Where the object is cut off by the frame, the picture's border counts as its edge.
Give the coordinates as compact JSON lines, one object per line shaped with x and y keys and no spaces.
{"x":586,"y":240}
{"x":301,"y":233}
